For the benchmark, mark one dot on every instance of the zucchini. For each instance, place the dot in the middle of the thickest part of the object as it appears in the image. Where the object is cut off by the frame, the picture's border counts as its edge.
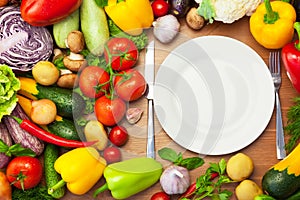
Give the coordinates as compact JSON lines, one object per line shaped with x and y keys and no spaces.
{"x":64,"y":27}
{"x":283,"y":179}
{"x":295,"y":196}
{"x":68,"y":103}
{"x":94,"y":26}
{"x":51,"y":154}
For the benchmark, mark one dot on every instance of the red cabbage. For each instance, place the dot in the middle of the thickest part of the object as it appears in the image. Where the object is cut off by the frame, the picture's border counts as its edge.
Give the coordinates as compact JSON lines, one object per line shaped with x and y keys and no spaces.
{"x":22,"y":45}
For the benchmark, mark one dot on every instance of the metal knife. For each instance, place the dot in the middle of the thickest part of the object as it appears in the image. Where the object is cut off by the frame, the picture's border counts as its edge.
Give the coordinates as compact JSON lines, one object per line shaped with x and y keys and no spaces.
{"x":149,"y":74}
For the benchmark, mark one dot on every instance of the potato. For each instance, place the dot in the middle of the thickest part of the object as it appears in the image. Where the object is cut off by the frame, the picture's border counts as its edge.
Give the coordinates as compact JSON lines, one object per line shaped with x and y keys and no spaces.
{"x":43,"y":111}
{"x":45,"y":73}
{"x":239,"y":167}
{"x":94,"y":130}
{"x":5,"y":188}
{"x":247,"y":190}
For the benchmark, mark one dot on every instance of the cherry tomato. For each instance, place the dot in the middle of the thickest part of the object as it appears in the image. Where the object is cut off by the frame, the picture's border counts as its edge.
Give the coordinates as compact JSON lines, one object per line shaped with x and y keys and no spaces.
{"x":131,"y":86}
{"x":118,"y":135}
{"x":160,"y":8}
{"x":160,"y":196}
{"x":112,"y":154}
{"x":24,"y":172}
{"x":93,"y":81}
{"x":109,"y":111}
{"x":123,"y":52}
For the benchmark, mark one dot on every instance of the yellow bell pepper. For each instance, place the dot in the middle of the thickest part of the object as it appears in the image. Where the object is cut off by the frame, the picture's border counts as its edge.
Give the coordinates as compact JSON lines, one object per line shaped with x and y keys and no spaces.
{"x":272,"y":24}
{"x":131,"y":16}
{"x":80,"y":169}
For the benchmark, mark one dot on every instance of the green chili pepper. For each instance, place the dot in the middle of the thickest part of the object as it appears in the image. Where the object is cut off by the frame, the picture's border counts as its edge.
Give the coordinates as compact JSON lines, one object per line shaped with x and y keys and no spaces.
{"x":129,"y":177}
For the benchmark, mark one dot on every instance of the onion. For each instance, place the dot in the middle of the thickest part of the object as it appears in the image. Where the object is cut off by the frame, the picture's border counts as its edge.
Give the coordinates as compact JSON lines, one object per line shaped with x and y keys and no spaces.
{"x":22,"y":45}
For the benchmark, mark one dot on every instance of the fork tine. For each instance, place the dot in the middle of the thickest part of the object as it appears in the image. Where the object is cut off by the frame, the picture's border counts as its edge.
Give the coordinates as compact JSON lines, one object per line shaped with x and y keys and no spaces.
{"x":278,"y":62}
{"x":274,"y":62}
{"x":271,"y":62}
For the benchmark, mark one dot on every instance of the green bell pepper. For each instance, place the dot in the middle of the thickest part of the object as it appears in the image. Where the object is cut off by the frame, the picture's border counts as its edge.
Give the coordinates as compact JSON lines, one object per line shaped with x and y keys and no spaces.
{"x":130,"y":177}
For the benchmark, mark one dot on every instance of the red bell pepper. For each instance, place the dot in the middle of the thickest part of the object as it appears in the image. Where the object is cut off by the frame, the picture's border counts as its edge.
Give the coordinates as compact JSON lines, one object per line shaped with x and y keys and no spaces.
{"x":47,"y":12}
{"x":290,"y":55}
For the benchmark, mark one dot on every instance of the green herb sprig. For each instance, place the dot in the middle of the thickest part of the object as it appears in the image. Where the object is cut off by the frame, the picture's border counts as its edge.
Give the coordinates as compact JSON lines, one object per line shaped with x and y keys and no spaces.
{"x":293,"y":125}
{"x":212,"y":188}
{"x":177,"y":159}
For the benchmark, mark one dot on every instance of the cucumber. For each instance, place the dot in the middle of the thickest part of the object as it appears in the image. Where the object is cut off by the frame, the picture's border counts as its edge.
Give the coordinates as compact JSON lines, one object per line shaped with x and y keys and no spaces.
{"x":64,"y":27}
{"x":51,"y":153}
{"x":68,"y":103}
{"x":64,"y":128}
{"x":94,"y":26}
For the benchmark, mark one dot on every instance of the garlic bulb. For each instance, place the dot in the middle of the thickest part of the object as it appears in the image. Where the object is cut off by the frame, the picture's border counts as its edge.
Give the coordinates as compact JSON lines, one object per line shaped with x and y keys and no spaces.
{"x":166,"y":28}
{"x":175,"y":180}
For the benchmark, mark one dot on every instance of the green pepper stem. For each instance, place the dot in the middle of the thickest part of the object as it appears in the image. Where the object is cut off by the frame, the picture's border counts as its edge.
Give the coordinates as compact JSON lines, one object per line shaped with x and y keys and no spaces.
{"x":271,"y":16}
{"x":100,"y":189}
{"x":58,"y":185}
{"x":297,"y":28}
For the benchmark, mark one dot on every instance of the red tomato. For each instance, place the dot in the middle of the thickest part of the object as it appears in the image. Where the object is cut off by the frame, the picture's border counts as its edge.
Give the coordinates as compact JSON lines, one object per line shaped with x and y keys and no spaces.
{"x":37,"y":12}
{"x":118,"y":135}
{"x":160,"y":196}
{"x":109,"y":111}
{"x":24,"y":170}
{"x":131,"y":86}
{"x":123,"y":52}
{"x":92,"y":77}
{"x":160,"y":8}
{"x":112,"y":154}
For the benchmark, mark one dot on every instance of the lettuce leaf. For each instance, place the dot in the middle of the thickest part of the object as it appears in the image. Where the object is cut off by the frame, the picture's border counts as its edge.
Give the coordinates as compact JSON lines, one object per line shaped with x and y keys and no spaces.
{"x":207,"y":10}
{"x":9,"y":85}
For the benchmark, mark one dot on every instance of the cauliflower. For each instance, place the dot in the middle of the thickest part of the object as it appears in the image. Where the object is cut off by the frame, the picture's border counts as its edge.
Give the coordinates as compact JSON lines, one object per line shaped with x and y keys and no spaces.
{"x":226,"y":11}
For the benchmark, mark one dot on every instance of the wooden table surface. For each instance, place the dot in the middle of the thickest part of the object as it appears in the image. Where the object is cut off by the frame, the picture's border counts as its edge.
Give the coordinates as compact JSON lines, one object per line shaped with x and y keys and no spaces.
{"x":262,"y":151}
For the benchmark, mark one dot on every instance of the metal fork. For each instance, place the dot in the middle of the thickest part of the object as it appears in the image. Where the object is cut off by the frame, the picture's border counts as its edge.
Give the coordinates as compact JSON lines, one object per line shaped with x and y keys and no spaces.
{"x":274,"y":64}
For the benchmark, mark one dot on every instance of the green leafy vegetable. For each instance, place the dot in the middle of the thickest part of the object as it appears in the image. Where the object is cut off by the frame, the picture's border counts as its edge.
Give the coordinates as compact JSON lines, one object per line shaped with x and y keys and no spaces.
{"x":293,"y":125}
{"x":177,"y":159}
{"x":37,"y":193}
{"x":9,"y":85}
{"x":140,"y":40}
{"x":206,"y":187}
{"x":15,"y":150}
{"x":101,"y":3}
{"x":207,"y":10}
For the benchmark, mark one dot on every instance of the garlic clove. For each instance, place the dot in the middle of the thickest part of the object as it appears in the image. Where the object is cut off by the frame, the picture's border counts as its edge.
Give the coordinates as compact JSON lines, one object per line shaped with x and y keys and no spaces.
{"x":133,"y":115}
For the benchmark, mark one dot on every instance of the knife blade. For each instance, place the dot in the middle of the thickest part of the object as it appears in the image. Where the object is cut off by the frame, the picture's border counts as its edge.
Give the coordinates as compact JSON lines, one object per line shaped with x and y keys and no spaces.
{"x":149,"y":74}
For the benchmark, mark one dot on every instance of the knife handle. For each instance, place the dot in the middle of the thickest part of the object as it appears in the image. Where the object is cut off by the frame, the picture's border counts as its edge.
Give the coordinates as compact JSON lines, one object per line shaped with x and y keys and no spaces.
{"x":150,"y":139}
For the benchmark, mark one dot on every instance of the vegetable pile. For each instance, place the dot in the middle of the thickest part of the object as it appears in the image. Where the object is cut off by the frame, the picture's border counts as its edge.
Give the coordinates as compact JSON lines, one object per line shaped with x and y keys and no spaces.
{"x":75,"y":101}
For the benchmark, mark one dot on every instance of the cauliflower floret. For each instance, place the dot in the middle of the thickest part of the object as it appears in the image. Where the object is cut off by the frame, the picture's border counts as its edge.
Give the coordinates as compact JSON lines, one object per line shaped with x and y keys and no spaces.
{"x":226,"y":11}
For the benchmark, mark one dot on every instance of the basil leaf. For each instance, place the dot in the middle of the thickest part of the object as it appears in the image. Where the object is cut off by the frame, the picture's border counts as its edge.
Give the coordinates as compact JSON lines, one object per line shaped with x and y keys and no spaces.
{"x":192,"y":163}
{"x":101,"y":3}
{"x":168,"y":154}
{"x":18,"y":150}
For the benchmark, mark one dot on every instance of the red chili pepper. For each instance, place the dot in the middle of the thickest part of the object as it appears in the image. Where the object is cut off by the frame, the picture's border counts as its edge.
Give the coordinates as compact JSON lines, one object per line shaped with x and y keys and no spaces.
{"x":193,"y":187}
{"x":46,"y":136}
{"x":214,"y":175}
{"x":189,"y":192}
{"x":291,"y":59}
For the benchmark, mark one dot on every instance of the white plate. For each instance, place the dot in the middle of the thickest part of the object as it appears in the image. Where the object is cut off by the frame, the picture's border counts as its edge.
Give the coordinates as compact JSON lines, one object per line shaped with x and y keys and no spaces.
{"x":213,"y":95}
